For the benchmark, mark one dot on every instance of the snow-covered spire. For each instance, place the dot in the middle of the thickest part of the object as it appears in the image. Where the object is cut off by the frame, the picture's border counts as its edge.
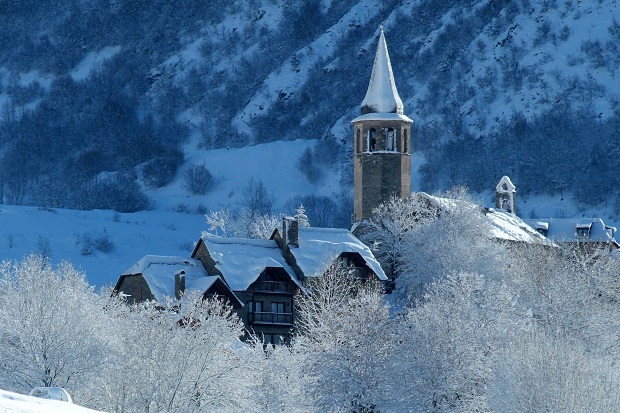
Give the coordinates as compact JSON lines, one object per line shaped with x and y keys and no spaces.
{"x":382,"y":95}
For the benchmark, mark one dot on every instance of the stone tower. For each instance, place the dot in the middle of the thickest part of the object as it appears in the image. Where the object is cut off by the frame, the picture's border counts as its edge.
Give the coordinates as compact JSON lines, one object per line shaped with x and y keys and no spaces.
{"x":505,"y":194}
{"x":382,"y":141}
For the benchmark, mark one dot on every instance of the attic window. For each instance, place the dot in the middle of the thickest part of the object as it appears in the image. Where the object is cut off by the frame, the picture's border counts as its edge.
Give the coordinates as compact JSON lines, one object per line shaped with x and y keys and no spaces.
{"x":583,"y":231}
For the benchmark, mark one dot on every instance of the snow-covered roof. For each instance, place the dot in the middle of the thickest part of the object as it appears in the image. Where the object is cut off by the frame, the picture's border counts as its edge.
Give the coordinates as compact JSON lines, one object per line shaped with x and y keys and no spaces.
{"x":505,"y":185}
{"x":565,"y":229}
{"x":382,"y":95}
{"x":382,"y":117}
{"x":509,"y":227}
{"x":317,"y":246}
{"x":159,"y":273}
{"x":241,"y":261}
{"x":504,"y":226}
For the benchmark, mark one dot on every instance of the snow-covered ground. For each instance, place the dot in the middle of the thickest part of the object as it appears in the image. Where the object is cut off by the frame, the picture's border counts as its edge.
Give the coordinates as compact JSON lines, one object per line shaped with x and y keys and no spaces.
{"x":74,"y":235}
{"x":19,"y":403}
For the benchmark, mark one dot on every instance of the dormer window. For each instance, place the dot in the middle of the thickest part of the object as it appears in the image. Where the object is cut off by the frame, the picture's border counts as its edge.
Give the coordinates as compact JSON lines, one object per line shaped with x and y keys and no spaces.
{"x":583,"y":231}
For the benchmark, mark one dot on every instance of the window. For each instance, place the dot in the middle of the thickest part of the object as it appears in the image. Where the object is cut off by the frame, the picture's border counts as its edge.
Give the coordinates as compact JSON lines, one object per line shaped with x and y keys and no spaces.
{"x":372,"y":141}
{"x":275,"y":339}
{"x":391,"y":140}
{"x":405,"y":142}
{"x":583,"y":231}
{"x":277,"y":307}
{"x":256,"y":306}
{"x":358,"y":142}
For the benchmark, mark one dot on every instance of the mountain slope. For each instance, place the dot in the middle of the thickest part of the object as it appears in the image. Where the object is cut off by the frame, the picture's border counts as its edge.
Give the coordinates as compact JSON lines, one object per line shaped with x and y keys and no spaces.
{"x":108,"y":93}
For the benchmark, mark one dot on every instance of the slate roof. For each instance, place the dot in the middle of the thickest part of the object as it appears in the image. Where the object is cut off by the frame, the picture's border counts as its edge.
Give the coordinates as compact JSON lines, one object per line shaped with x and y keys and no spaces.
{"x":241,"y":261}
{"x":159,"y":273}
{"x":318,"y":246}
{"x":382,"y":95}
{"x":565,"y":229}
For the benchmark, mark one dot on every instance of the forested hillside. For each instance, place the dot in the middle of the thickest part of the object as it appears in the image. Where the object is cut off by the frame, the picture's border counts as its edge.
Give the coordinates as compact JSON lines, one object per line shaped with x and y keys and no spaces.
{"x":99,"y":97}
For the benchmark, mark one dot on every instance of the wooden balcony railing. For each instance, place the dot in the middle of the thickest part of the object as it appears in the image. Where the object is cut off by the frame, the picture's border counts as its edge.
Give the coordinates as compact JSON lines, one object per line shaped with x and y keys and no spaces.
{"x":272,"y":318}
{"x":273,"y":287}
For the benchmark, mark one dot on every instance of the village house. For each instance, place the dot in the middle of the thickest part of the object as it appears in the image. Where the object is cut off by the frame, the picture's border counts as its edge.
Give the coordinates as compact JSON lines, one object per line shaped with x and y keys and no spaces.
{"x":153,"y":278}
{"x":588,"y":235}
{"x":266,"y":274}
{"x":258,"y":277}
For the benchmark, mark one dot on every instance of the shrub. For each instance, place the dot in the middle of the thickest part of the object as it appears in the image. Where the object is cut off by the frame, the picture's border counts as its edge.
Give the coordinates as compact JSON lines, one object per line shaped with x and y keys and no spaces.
{"x":118,"y":192}
{"x":197,"y":180}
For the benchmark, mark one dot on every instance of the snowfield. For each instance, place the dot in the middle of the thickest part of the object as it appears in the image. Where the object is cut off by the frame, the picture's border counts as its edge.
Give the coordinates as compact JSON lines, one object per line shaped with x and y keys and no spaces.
{"x":19,"y":403}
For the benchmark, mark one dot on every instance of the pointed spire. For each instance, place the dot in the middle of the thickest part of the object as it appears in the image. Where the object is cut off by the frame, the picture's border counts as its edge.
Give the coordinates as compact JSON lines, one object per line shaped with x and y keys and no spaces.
{"x":382,"y":95}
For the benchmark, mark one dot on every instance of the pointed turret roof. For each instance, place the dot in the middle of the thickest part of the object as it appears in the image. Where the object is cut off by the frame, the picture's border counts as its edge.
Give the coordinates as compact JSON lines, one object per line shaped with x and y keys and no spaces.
{"x":382,"y":96}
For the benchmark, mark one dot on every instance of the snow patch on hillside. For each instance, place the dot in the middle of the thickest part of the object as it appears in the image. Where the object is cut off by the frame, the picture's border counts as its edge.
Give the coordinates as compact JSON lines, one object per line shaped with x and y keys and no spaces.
{"x":92,"y":62}
{"x":291,"y":76}
{"x":274,"y":164}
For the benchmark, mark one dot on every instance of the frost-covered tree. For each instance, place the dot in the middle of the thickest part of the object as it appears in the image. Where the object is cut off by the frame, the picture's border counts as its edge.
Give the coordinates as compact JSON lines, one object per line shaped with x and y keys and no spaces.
{"x":387,"y":230}
{"x":451,"y":341}
{"x":456,"y":240}
{"x":300,"y":215}
{"x":347,"y":337}
{"x":241,"y":224}
{"x":185,"y":358}
{"x":53,"y":327}
{"x":283,"y":385}
{"x":540,"y":372}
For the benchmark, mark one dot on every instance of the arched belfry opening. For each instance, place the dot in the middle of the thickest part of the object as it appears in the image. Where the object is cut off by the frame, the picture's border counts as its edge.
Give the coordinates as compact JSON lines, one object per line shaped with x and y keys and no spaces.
{"x":505,"y":196}
{"x":383,"y":169}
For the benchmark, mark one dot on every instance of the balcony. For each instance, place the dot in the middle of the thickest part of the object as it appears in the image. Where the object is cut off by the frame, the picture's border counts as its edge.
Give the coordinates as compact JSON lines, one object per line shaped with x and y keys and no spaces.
{"x":271,"y":318}
{"x":273,"y":287}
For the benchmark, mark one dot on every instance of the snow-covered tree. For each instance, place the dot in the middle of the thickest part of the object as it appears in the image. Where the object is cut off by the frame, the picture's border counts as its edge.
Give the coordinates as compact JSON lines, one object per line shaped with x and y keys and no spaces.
{"x":53,"y":327}
{"x":347,"y":337}
{"x":186,"y":358}
{"x":301,"y":216}
{"x":540,"y":372}
{"x":451,"y":341}
{"x":283,"y":385}
{"x":241,"y":224}
{"x":387,"y":230}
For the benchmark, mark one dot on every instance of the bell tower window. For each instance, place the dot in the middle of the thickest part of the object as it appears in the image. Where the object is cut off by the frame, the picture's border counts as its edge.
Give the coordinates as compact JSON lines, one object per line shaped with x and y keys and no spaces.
{"x":358,"y":142}
{"x":405,"y":140}
{"x":372,"y":140}
{"x":391,"y":140}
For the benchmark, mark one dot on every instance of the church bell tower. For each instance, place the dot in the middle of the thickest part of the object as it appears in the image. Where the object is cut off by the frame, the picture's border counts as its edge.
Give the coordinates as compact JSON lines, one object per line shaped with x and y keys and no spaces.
{"x":382,"y":141}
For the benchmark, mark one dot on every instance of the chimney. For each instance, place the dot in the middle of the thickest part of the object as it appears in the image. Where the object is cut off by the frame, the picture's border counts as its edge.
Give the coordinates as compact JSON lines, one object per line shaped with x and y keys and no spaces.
{"x":290,"y":232}
{"x":179,"y":284}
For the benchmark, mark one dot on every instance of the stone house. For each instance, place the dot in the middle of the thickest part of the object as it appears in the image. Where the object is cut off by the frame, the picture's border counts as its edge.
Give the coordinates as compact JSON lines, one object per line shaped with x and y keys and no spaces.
{"x":267,"y":274}
{"x":153,"y":278}
{"x":259,"y":278}
{"x":587,"y":235}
